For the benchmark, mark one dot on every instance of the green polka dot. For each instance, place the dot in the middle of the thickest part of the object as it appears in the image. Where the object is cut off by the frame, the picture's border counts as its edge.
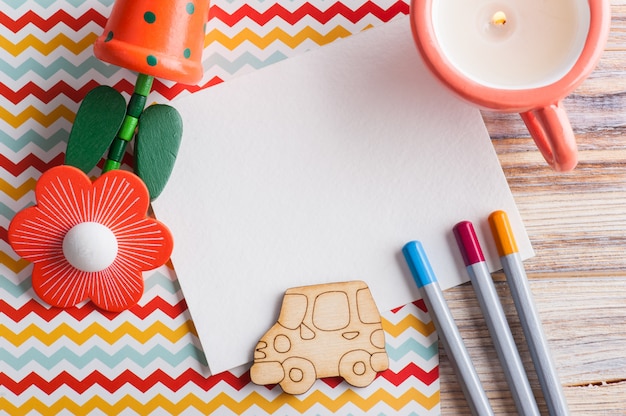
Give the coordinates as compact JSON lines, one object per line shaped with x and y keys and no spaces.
{"x":152,"y":60}
{"x":109,"y":36}
{"x":149,"y":17}
{"x":187,"y":53}
{"x":190,"y":8}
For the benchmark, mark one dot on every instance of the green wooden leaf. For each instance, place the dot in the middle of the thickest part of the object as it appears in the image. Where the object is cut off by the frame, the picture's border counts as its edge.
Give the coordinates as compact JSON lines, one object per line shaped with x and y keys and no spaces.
{"x":159,"y":133}
{"x":98,"y":119}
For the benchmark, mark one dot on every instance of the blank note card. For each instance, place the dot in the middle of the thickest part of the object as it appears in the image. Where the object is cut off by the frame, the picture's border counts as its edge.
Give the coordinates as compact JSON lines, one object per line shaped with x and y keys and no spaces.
{"x":318,"y":169}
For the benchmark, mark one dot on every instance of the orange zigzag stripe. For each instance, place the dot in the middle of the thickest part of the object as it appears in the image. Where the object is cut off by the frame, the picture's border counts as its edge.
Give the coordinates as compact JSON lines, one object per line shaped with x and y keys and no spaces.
{"x":276,"y":34}
{"x":45,"y":48}
{"x":32,"y":113}
{"x":162,"y":403}
{"x":409,"y":321}
{"x":20,"y":191}
{"x":15,"y":266}
{"x":173,"y":335}
{"x":65,"y":330}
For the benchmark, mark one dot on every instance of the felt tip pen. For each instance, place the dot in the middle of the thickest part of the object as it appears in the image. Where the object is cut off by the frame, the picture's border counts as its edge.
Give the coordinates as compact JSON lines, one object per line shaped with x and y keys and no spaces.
{"x":495,"y":319}
{"x":446,"y":328}
{"x":529,"y":318}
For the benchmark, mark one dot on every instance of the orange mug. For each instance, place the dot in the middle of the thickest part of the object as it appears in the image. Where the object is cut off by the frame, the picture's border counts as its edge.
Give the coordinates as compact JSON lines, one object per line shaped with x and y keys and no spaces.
{"x":520,"y":56}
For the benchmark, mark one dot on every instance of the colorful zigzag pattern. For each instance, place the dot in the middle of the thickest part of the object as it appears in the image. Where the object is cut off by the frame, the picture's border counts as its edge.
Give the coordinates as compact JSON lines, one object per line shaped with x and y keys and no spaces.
{"x":147,"y":360}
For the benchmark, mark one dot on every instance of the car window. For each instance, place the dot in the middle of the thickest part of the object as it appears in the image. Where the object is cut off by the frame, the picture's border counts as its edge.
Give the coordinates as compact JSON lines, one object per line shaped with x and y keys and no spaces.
{"x":368,"y":313}
{"x":331,"y":311}
{"x":292,"y":311}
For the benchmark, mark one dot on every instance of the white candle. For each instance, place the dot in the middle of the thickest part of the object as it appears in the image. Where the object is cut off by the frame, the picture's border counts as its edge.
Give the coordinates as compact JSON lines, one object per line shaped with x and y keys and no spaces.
{"x":511,"y":44}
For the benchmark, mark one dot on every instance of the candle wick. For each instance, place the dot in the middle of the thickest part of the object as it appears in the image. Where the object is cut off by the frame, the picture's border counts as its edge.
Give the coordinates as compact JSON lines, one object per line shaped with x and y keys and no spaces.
{"x":498,"y":18}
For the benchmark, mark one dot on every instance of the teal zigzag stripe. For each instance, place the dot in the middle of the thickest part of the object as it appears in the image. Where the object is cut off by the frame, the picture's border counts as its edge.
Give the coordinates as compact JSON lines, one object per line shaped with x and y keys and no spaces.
{"x":164,"y":282}
{"x":244,"y":59}
{"x":48,"y":69}
{"x":412,"y":345}
{"x":13,"y":289}
{"x":7,"y":212}
{"x":14,"y":4}
{"x":61,"y":64}
{"x":64,"y":354}
{"x":31,"y":137}
{"x":154,"y":280}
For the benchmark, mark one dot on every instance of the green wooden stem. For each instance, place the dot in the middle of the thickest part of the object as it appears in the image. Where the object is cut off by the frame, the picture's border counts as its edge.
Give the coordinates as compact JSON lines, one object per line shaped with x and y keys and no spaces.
{"x":126,"y":132}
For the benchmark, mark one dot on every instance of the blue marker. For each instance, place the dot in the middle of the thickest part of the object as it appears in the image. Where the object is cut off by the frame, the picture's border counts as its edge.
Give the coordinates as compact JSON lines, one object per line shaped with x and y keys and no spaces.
{"x":446,"y":328}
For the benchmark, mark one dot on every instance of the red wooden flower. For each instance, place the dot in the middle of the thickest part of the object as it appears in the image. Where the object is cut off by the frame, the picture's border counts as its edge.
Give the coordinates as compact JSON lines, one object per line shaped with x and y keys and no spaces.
{"x":90,"y":240}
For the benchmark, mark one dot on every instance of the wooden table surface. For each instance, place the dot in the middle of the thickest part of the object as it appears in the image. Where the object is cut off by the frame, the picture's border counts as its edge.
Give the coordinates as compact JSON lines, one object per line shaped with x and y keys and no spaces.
{"x":577,"y":225}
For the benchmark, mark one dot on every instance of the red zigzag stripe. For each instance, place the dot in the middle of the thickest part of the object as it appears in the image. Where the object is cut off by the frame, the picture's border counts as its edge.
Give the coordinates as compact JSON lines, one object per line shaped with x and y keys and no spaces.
{"x":61,"y":16}
{"x":307,"y":9}
{"x":79,"y":313}
{"x":418,"y":303}
{"x":46,"y":96}
{"x":159,"y":377}
{"x":33,"y":161}
{"x":411,"y":370}
{"x":77,"y":95}
{"x":126,"y":377}
{"x":216,"y":12}
{"x":168,"y":92}
{"x":29,"y":161}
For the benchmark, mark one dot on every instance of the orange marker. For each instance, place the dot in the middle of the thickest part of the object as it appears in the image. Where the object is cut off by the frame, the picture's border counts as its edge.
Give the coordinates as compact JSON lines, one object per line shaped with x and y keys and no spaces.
{"x":529,"y":318}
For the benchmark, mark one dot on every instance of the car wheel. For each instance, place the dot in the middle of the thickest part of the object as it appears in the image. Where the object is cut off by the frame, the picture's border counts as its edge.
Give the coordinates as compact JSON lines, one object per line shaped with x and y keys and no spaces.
{"x":299,"y":375}
{"x":356,"y":369}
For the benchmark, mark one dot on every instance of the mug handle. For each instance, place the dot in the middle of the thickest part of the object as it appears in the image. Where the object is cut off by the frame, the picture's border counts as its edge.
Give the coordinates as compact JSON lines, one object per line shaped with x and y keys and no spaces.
{"x":551,"y":129}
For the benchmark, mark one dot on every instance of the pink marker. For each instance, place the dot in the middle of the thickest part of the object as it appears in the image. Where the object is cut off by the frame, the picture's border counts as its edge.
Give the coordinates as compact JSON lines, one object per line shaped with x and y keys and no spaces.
{"x":495,"y":318}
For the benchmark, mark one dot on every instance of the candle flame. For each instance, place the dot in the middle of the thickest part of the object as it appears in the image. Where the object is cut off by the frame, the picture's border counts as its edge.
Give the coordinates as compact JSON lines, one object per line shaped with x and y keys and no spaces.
{"x":498,"y":18}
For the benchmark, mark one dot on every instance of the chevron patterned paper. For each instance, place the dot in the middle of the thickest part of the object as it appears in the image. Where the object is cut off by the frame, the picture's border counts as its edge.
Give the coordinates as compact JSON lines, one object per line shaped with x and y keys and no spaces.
{"x":147,"y":360}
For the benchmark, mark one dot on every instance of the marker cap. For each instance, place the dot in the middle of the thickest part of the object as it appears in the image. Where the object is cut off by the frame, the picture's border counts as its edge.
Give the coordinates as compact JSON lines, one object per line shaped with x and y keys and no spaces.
{"x":418,"y":263}
{"x":502,"y":233}
{"x":468,"y":243}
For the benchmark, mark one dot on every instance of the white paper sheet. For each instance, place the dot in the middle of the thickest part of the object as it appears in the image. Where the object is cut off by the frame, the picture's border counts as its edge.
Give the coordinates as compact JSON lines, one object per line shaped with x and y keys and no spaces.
{"x":319,"y":169}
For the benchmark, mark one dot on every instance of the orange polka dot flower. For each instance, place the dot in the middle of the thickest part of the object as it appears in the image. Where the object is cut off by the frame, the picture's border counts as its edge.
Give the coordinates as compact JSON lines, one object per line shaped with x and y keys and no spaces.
{"x":93,"y":240}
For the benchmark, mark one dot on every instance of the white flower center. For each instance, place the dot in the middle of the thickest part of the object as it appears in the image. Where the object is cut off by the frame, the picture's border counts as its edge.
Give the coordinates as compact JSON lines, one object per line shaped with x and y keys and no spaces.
{"x":90,"y":246}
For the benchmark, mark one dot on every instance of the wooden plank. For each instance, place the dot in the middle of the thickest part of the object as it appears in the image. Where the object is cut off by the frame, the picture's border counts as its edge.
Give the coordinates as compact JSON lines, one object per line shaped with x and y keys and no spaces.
{"x":585,"y":321}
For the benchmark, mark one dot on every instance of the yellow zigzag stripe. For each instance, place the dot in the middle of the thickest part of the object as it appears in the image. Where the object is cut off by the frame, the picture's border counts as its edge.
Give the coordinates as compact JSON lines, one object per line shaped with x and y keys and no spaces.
{"x":76,"y":47}
{"x":6,"y":260}
{"x":163,"y":404}
{"x":96,"y":330}
{"x":410,"y":321}
{"x":20,"y":191}
{"x":15,"y":266}
{"x":274,"y":35}
{"x":32,"y":113}
{"x":60,"y":40}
